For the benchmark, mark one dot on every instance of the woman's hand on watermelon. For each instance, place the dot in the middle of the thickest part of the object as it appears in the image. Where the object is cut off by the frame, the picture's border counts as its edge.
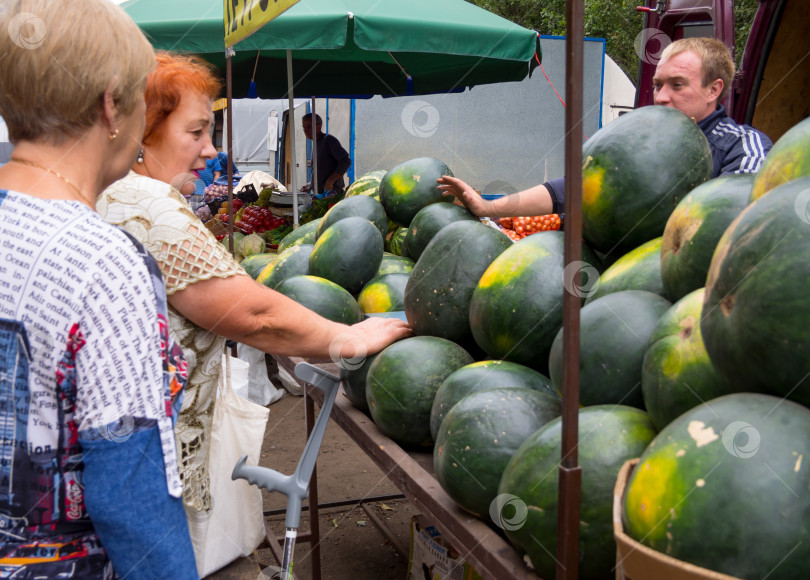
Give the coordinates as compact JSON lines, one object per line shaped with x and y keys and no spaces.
{"x":375,"y":334}
{"x":465,"y":194}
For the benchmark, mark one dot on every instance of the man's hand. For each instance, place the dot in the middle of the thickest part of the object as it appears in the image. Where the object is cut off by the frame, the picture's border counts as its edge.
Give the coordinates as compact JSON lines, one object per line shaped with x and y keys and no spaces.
{"x":306,"y":188}
{"x":465,"y":194}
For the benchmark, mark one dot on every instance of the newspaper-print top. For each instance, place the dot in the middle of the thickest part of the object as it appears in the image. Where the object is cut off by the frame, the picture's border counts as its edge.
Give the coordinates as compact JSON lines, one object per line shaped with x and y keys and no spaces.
{"x":84,"y":351}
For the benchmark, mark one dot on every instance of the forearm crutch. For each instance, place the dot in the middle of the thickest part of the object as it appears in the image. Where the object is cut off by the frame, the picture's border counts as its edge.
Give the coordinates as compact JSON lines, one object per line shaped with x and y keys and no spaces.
{"x":295,"y":486}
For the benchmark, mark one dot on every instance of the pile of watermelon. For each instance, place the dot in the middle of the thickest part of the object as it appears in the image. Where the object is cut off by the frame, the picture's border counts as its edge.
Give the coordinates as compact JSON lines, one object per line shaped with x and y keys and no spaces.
{"x":694,"y":353}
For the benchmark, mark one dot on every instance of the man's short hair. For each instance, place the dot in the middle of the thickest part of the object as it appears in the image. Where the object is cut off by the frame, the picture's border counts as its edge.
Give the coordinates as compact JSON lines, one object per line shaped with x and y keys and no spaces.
{"x":308,"y":117}
{"x":715,"y":56}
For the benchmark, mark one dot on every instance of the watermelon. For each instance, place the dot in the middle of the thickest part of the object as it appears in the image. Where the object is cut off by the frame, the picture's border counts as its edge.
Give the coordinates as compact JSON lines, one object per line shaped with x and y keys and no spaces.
{"x":410,"y":186}
{"x":392,"y":264}
{"x":788,"y":159}
{"x":726,"y":486}
{"x":304,"y":234}
{"x":427,"y":222}
{"x":322,"y":296}
{"x":756,"y":295}
{"x":639,"y":269}
{"x":526,"y":507}
{"x":367,"y":184}
{"x":482,"y":376}
{"x":480,"y":435}
{"x":403,"y":381}
{"x":254,"y":265}
{"x":294,"y":261}
{"x":677,"y":374}
{"x":695,"y":227}
{"x":384,"y":293}
{"x":349,"y":253}
{"x":358,"y":206}
{"x":516,"y":307}
{"x":437,"y":298}
{"x":635,"y":170}
{"x":394,"y":239}
{"x":614,"y":333}
{"x":354,"y":382}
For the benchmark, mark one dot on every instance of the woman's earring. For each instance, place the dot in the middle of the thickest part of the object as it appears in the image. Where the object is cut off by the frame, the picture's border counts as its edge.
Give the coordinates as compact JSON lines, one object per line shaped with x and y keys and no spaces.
{"x":113,"y":135}
{"x":140,"y":156}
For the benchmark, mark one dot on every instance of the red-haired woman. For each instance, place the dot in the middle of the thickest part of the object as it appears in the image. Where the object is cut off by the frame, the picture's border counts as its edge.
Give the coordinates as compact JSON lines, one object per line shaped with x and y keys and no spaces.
{"x":211,"y":298}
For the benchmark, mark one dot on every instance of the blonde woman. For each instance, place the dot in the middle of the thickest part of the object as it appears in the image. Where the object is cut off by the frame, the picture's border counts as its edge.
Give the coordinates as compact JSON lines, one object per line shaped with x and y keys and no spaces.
{"x":89,"y":380}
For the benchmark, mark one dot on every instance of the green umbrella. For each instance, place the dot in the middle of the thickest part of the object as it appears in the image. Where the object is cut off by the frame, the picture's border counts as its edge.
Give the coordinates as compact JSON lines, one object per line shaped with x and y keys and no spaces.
{"x":351,"y":47}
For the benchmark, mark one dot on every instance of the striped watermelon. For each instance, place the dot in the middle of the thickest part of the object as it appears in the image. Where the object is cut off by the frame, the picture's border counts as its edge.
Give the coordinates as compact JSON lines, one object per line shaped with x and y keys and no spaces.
{"x":367,"y":184}
{"x":393,"y":243}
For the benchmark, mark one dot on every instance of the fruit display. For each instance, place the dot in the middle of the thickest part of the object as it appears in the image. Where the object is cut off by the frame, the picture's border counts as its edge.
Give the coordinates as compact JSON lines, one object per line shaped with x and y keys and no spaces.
{"x":437,"y":298}
{"x":756,"y":296}
{"x":614,"y":333}
{"x":677,"y":374}
{"x":410,"y":186}
{"x":516,"y":307}
{"x":348,"y":253}
{"x":639,"y":269}
{"x":392,"y":264}
{"x":357,"y":206}
{"x":480,"y":435}
{"x":608,"y":436}
{"x":400,"y":393}
{"x":635,"y":170}
{"x":304,"y":234}
{"x":695,"y":227}
{"x":518,"y":228}
{"x":367,"y":184}
{"x":294,"y":261}
{"x":725,"y":486}
{"x":384,"y":293}
{"x":789,"y":159}
{"x":427,"y":222}
{"x":322,"y":296}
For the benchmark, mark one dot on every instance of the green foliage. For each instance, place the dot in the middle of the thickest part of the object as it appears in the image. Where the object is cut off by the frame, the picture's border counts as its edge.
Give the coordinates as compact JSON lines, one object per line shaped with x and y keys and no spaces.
{"x":614,"y":20}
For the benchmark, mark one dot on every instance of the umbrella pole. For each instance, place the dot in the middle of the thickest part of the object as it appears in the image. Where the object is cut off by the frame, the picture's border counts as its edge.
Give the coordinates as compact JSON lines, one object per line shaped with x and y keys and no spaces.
{"x":228,"y":114}
{"x":570,"y":473}
{"x":291,"y":106}
{"x":315,"y":190}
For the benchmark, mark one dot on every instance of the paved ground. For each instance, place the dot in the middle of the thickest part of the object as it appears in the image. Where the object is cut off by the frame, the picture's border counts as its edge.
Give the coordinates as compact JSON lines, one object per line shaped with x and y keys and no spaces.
{"x":352,"y":547}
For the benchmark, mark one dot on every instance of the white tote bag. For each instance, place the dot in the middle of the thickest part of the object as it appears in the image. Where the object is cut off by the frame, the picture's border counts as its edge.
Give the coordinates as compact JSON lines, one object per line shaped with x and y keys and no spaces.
{"x":234,"y":526}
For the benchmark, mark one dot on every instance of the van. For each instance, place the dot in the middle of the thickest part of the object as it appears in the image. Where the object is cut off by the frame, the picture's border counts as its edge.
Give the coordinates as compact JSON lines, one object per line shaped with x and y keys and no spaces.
{"x":771,"y":90}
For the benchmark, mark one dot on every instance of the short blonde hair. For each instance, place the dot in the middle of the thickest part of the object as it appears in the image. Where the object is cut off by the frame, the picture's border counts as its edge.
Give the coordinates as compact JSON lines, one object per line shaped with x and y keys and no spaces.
{"x":56,"y":60}
{"x":715,"y":56}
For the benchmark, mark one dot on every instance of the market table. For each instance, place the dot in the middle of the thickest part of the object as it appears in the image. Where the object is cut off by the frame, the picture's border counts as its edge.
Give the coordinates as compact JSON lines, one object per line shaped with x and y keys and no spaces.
{"x":412,"y":473}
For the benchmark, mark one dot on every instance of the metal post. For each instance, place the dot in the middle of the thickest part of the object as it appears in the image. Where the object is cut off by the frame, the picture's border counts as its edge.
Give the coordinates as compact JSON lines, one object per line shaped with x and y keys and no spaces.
{"x":570,"y":479}
{"x":315,"y":190}
{"x":291,"y":125}
{"x":228,"y":114}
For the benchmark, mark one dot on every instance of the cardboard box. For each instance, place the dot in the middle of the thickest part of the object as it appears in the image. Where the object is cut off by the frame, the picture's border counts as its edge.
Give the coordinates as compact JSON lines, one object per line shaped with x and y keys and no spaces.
{"x":635,"y":561}
{"x":431,"y":558}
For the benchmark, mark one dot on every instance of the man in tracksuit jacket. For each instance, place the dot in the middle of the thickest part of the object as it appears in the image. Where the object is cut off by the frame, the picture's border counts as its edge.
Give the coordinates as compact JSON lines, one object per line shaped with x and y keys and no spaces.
{"x":692,"y":76}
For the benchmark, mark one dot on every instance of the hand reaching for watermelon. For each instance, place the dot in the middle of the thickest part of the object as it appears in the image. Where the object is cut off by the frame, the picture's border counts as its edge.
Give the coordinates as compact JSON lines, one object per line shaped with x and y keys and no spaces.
{"x":465,"y":194}
{"x":534,"y":201}
{"x":372,"y":335}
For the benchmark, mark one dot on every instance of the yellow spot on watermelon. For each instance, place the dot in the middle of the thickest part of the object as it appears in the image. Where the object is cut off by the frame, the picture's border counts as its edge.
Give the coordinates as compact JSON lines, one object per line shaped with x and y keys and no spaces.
{"x":653,"y":489}
{"x":631,"y":259}
{"x":592,"y":182}
{"x":701,"y":434}
{"x":506,"y":267}
{"x":375,"y":298}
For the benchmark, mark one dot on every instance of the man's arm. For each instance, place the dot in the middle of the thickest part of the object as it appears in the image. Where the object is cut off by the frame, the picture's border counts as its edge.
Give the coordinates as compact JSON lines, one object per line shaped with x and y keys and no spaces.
{"x":341,"y":156}
{"x":537,"y":200}
{"x":748,"y":152}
